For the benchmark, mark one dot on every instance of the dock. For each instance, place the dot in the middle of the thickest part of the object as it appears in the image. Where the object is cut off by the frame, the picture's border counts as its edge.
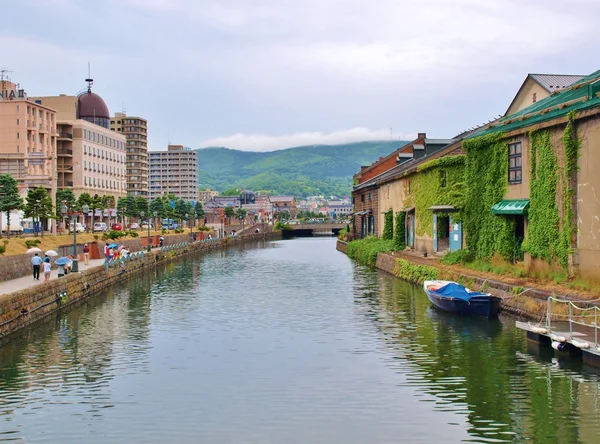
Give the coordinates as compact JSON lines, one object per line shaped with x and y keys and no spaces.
{"x":570,"y":327}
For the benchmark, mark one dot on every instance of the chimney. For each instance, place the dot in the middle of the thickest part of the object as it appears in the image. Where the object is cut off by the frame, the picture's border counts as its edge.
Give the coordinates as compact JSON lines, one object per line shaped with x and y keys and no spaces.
{"x":421,"y":136}
{"x":380,"y":159}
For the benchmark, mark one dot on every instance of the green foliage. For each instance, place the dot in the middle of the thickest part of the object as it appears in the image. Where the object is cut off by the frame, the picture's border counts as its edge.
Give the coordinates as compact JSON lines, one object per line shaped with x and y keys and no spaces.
{"x":67,"y":196}
{"x":310,"y":170}
{"x":39,"y":204}
{"x":280,"y":226}
{"x":572,"y":147}
{"x":400,"y":231}
{"x":9,"y":197}
{"x":457,"y":257}
{"x":428,"y":188}
{"x":342,"y":234}
{"x":486,"y":172}
{"x":414,"y":272}
{"x":130,"y":206}
{"x":178,"y":230}
{"x":199,"y":210}
{"x":32,"y":243}
{"x":229,"y":212}
{"x":241,"y":213}
{"x":2,"y":249}
{"x":141,"y":205}
{"x":365,"y":250}
{"x":543,"y":233}
{"x":388,"y":225}
{"x":132,"y":233}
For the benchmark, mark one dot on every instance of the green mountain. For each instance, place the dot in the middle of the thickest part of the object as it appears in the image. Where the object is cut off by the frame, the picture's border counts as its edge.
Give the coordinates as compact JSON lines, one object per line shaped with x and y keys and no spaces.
{"x":301,"y":171}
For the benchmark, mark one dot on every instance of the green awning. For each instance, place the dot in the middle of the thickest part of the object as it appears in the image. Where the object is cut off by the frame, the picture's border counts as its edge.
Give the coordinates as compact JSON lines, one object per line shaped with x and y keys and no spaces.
{"x":511,"y":206}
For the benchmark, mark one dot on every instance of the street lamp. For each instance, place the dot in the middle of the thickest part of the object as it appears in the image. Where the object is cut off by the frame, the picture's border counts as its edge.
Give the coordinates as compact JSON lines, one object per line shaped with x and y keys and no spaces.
{"x":64,"y":209}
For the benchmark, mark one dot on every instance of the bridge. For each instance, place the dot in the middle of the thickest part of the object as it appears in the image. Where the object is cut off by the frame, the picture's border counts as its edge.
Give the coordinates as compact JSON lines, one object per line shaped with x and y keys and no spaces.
{"x":318,"y":228}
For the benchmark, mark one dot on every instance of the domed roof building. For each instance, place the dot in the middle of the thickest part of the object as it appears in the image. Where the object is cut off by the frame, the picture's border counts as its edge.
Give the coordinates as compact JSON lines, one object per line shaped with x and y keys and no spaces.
{"x":91,"y":107}
{"x":247,"y":197}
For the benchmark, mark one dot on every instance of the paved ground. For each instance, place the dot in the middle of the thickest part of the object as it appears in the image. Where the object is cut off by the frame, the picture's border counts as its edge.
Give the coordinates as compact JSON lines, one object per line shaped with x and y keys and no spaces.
{"x":11,"y":286}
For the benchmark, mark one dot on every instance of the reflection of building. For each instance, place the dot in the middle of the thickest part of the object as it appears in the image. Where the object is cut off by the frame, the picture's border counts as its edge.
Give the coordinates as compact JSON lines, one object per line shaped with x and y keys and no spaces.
{"x":135,"y":130}
{"x":174,"y":171}
{"x":27,"y":139}
{"x":90,"y":157}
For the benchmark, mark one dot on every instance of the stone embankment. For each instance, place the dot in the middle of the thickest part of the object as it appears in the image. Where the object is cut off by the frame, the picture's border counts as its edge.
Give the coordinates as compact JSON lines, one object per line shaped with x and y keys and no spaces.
{"x":23,"y":308}
{"x":523,"y":301}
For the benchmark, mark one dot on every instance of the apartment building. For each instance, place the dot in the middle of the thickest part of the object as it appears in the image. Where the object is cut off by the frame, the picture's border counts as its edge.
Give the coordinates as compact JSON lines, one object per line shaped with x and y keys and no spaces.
{"x":90,"y":157}
{"x":135,"y":130}
{"x":28,"y":139}
{"x":174,"y":171}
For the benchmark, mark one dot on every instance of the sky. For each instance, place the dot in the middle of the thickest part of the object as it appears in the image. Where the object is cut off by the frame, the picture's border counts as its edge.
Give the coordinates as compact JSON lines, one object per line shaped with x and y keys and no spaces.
{"x":262,"y":75}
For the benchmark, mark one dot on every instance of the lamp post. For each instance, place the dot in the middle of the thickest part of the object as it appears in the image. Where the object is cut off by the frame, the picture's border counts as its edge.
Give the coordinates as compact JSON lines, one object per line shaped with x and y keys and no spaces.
{"x":65,"y":210}
{"x":149,"y":247}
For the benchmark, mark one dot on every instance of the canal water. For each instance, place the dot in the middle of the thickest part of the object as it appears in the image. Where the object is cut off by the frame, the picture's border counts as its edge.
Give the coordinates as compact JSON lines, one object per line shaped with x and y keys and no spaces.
{"x":284,"y":342}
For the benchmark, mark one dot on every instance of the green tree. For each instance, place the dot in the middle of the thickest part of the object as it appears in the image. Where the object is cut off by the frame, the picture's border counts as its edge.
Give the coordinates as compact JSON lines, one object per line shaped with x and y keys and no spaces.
{"x":38,"y":206}
{"x":121,"y":209}
{"x":97,"y":204}
{"x":9,"y":198}
{"x":64,"y":196}
{"x":241,"y":213}
{"x":229,"y":213}
{"x":130,"y":206}
{"x":231,"y":192}
{"x":199,"y":210}
{"x":180,"y":209}
{"x":141,"y":204}
{"x":158,"y":206}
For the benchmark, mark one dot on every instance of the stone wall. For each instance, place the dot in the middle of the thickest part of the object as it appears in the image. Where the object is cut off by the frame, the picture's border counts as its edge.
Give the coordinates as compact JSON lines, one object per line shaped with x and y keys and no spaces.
{"x":25,"y":307}
{"x":13,"y":267}
{"x":342,"y":246}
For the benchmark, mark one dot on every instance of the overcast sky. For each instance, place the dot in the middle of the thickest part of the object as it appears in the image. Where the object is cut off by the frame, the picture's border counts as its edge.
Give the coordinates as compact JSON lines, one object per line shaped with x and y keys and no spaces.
{"x":268,"y":74}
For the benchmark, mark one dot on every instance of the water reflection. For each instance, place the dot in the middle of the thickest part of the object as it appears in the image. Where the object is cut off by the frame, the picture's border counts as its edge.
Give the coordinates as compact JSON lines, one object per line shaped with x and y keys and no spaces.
{"x":284,"y":342}
{"x":478,"y":368}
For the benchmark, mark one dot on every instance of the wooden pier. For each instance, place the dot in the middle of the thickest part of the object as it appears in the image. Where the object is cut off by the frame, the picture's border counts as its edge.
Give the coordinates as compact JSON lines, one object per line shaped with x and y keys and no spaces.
{"x":570,"y":327}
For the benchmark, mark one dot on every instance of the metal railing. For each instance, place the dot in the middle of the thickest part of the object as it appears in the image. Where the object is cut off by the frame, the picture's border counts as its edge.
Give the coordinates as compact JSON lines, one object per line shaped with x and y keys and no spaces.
{"x":574,"y":313}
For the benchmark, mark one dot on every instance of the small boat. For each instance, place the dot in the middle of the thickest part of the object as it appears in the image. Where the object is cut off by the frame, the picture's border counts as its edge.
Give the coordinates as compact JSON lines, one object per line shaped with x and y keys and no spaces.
{"x":454,"y":298}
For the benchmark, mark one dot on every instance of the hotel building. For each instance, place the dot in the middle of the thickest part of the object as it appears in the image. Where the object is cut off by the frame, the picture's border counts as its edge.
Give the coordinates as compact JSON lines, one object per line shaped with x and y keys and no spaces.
{"x":174,"y":171}
{"x":90,"y":157}
{"x":135,"y":130}
{"x":28,"y":139}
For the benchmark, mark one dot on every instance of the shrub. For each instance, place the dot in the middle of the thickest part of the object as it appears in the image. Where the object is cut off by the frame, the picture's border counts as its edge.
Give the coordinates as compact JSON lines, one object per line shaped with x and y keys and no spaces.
{"x":280,"y":226}
{"x":2,"y":249}
{"x":105,"y":236}
{"x":96,"y":236}
{"x":365,"y":250}
{"x":342,"y":234}
{"x":400,"y":231}
{"x":132,"y":234}
{"x":179,"y":230}
{"x":5,"y":241}
{"x":388,"y":225}
{"x":415,"y":273}
{"x":202,"y":228}
{"x":32,"y":243}
{"x":163,"y":231}
{"x":456,"y":257}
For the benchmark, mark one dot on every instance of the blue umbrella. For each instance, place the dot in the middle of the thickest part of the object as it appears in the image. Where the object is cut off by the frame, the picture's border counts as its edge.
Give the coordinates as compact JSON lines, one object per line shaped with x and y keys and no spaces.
{"x":113,"y":246}
{"x":63,"y":261}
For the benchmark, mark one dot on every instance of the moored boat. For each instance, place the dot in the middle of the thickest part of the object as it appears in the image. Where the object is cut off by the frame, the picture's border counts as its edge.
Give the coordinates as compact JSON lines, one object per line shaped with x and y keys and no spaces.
{"x":455,"y":298}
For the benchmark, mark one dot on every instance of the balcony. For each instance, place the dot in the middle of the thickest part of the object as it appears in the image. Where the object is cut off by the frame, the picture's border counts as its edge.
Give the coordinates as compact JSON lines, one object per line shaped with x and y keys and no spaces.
{"x":64,"y":152}
{"x":65,"y":136}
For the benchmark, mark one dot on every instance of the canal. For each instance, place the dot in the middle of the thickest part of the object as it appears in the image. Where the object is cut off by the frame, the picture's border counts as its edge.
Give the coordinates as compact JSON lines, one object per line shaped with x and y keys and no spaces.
{"x":284,"y":342}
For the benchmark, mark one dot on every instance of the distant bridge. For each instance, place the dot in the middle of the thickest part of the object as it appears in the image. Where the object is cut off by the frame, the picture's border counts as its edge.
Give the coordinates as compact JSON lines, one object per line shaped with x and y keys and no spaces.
{"x":319,"y":228}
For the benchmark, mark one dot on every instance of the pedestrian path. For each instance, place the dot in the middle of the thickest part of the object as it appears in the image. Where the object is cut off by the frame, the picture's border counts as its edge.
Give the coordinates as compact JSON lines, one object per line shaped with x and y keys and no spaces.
{"x":21,"y":283}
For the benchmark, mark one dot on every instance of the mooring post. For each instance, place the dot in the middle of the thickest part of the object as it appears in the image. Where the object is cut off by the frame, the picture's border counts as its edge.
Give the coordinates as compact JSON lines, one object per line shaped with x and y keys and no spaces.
{"x":596,"y":326}
{"x":549,"y":314}
{"x":570,"y":322}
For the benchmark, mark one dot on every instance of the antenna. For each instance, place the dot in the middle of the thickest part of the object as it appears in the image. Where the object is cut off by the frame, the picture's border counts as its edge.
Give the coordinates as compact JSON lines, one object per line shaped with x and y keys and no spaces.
{"x":4,"y":77}
{"x":89,"y":80}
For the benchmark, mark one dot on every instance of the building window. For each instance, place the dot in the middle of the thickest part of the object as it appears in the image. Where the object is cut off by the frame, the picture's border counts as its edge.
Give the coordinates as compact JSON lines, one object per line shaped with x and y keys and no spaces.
{"x":515,"y":165}
{"x":18,"y":135}
{"x":370,"y":196}
{"x":443,"y":178}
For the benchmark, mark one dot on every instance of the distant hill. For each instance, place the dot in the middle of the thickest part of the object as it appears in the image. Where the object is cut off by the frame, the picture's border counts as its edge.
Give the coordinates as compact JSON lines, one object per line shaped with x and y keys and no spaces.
{"x":301,"y":171}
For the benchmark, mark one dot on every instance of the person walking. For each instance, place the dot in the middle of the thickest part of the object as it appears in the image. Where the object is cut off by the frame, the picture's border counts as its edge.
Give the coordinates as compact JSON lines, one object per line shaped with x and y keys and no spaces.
{"x":107,"y":254}
{"x":36,"y":261}
{"x":86,"y":254}
{"x":47,"y":270}
{"x":161,"y":241}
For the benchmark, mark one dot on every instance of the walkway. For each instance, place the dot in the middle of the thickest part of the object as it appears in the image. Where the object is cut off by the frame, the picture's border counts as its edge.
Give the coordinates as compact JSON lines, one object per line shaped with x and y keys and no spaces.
{"x":22,"y":283}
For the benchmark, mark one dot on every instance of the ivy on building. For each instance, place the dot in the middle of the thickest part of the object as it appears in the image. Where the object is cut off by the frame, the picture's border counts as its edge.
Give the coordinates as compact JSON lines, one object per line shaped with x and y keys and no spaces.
{"x":486,"y":173}
{"x":400,"y":231}
{"x":388,"y":225}
{"x":551,"y":225}
{"x":430,"y":187}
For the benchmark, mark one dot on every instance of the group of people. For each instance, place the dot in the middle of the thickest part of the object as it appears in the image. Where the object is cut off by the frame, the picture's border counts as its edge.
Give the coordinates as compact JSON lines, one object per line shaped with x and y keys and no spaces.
{"x":45,"y":263}
{"x":115,"y":253}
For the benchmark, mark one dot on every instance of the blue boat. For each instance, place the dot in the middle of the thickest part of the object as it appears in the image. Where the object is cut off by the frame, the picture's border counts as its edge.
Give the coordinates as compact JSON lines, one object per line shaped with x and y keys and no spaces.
{"x":454,"y":298}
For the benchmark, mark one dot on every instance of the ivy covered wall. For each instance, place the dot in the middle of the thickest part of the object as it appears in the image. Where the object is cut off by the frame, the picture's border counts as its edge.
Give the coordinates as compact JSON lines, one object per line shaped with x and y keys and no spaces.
{"x":438,"y":182}
{"x":486,"y":178}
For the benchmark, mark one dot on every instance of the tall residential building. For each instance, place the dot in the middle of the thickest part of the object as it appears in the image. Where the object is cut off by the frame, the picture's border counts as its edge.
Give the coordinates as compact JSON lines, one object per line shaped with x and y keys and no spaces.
{"x":27,"y":139}
{"x":174,"y":171}
{"x":135,"y":129}
{"x":90,"y":157}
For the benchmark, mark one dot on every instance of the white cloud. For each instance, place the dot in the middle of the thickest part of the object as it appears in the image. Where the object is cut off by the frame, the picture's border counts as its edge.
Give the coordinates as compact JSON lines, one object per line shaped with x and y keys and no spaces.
{"x":262,"y":142}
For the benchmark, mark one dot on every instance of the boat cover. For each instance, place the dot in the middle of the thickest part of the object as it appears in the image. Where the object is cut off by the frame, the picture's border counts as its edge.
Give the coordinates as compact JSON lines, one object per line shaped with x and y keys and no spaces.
{"x":454,"y":290}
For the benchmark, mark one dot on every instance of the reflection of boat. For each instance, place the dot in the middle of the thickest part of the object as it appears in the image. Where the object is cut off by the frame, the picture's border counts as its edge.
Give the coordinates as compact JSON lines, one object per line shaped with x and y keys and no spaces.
{"x":466,"y":326}
{"x":454,"y":298}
